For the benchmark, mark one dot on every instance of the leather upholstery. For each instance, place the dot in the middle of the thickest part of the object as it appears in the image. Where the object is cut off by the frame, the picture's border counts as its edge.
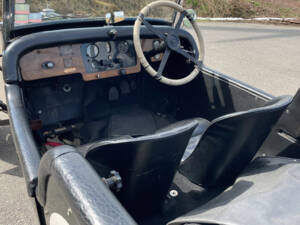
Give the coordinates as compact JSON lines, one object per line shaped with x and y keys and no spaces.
{"x":202,"y":125}
{"x":73,"y":183}
{"x":267,"y":193}
{"x":146,"y":164}
{"x":84,"y":149}
{"x":230,"y":142}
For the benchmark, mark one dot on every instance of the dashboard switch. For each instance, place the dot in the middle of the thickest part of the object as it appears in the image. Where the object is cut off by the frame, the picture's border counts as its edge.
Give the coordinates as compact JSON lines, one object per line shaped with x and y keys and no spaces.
{"x":48,"y":65}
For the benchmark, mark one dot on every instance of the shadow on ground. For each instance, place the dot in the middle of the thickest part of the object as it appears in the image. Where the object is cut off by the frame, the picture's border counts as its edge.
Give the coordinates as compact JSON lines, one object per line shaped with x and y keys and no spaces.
{"x":8,"y":153}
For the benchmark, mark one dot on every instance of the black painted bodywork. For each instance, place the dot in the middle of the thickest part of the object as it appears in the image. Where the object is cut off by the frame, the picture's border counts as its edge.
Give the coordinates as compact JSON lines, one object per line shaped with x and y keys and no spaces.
{"x":99,"y":207}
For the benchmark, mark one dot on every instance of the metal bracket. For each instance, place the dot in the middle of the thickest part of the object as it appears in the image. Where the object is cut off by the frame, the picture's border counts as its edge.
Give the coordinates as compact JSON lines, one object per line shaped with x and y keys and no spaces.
{"x":114,"y":181}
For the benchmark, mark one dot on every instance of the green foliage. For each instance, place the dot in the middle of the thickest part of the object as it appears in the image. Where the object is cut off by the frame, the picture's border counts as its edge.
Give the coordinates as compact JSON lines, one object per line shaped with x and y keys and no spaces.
{"x":193,"y":3}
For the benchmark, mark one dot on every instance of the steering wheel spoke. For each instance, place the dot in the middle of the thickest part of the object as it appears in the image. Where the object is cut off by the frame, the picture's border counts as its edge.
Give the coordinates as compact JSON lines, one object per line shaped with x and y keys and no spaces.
{"x":187,"y":55}
{"x":151,"y":28}
{"x":163,"y":62}
{"x":179,"y":22}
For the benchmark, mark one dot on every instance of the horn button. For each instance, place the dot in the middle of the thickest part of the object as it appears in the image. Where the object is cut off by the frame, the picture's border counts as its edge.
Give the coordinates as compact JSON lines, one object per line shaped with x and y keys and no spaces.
{"x":173,"y":41}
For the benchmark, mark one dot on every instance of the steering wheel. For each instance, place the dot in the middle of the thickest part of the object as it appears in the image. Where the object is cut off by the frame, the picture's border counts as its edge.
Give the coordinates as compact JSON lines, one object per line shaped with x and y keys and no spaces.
{"x":172,"y":41}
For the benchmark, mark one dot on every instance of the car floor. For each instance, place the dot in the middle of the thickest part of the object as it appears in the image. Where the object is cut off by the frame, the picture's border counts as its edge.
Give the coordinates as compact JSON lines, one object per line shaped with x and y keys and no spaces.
{"x":129,"y":119}
{"x":189,"y":196}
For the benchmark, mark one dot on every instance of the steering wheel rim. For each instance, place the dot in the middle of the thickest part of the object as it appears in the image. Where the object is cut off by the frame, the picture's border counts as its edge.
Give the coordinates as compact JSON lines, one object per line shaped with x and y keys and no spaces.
{"x":172,"y":41}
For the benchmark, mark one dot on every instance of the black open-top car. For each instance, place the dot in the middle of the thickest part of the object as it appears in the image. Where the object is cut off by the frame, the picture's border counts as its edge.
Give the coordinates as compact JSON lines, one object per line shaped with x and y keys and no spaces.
{"x":117,"y":121}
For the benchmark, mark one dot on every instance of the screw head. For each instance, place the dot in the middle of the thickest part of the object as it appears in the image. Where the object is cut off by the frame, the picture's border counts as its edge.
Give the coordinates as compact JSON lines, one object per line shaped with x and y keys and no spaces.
{"x":173,"y":193}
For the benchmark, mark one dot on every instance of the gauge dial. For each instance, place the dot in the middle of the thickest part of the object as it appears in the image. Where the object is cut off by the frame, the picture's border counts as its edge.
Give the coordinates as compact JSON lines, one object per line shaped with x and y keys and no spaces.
{"x":123,"y":47}
{"x":108,"y":48}
{"x":92,"y":51}
{"x":156,"y":44}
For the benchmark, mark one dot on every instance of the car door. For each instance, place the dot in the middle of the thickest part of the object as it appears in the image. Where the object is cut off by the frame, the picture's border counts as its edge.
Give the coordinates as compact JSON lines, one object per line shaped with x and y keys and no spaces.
{"x":284,"y":140}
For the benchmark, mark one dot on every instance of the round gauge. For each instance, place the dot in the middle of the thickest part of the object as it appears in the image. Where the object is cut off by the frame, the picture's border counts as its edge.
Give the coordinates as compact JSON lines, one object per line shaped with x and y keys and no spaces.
{"x":123,"y":47}
{"x":108,"y":48}
{"x":92,"y":51}
{"x":156,"y":44}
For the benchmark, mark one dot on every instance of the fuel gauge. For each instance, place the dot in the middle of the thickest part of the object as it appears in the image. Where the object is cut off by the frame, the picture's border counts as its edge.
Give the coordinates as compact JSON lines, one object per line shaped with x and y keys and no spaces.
{"x":123,"y":47}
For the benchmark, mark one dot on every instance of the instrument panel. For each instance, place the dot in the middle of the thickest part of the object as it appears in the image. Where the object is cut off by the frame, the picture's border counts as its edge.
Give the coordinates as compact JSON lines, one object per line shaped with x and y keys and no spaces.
{"x":104,"y":56}
{"x":95,"y":60}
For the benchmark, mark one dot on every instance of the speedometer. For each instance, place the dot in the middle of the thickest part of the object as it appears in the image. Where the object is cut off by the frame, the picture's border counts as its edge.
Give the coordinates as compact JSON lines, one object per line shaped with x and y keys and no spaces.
{"x":123,"y":47}
{"x":92,"y":51}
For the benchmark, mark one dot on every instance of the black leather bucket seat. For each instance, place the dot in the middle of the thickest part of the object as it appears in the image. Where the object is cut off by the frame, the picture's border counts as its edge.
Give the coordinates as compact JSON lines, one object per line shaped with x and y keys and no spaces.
{"x":230,"y":142}
{"x":146,"y":164}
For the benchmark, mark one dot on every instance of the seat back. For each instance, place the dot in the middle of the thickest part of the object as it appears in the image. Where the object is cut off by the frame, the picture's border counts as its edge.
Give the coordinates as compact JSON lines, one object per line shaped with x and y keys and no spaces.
{"x":146,"y":165}
{"x":230,"y":143}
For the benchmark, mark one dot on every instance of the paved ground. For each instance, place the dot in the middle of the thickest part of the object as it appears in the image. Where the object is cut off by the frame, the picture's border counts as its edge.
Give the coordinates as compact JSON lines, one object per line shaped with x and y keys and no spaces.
{"x":265,"y":56}
{"x":15,"y":206}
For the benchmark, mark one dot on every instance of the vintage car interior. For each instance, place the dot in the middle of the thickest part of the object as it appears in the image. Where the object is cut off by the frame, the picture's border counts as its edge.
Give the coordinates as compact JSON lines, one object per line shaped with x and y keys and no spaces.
{"x":123,"y":124}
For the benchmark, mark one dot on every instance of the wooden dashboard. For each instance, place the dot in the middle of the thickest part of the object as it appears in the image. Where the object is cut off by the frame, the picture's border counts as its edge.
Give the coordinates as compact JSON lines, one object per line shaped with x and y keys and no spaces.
{"x":66,"y":60}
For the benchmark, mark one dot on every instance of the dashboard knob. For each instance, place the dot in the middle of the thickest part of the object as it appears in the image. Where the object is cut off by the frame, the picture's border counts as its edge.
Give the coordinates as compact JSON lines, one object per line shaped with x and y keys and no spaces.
{"x":94,"y":64}
{"x":120,"y":60}
{"x":104,"y":62}
{"x":48,"y":65}
{"x":112,"y":33}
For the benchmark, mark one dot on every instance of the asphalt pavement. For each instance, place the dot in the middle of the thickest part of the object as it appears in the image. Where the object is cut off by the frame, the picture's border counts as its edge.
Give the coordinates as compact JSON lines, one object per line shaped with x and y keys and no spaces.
{"x":265,"y":56}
